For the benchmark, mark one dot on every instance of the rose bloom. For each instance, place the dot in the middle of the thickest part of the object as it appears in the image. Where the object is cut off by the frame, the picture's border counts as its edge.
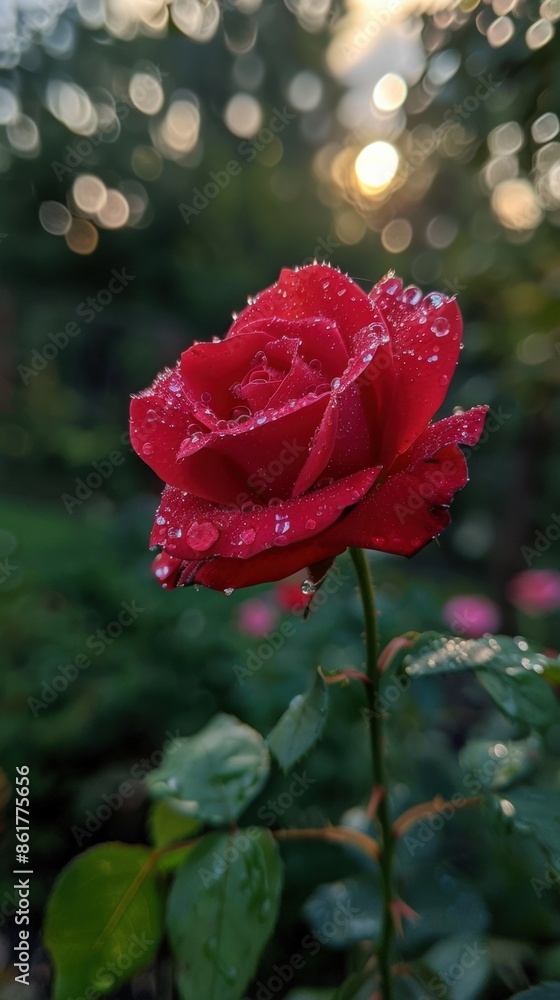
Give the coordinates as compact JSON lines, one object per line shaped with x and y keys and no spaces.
{"x":306,"y":430}
{"x":535,"y":591}
{"x":471,"y":615}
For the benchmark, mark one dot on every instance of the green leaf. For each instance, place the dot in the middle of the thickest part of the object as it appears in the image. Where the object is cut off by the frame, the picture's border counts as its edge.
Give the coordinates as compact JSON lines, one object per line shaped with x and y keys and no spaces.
{"x":222,"y":910}
{"x":499,"y":765}
{"x":522,"y":696}
{"x":301,"y":726}
{"x":104,"y":919}
{"x":536,"y":813}
{"x":545,"y":991}
{"x":167,"y":826}
{"x":463,"y":965}
{"x":345,"y":912}
{"x":215,"y":774}
{"x":509,"y":669}
{"x":445,"y":903}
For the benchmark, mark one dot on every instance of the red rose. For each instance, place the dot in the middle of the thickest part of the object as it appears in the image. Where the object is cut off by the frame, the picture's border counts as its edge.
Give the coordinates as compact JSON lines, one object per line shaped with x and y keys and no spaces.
{"x":306,"y":430}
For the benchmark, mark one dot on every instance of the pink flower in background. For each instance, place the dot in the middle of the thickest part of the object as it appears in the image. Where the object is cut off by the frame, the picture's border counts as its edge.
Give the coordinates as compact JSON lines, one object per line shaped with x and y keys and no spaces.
{"x":535,"y":591}
{"x":471,"y":615}
{"x":256,"y":618}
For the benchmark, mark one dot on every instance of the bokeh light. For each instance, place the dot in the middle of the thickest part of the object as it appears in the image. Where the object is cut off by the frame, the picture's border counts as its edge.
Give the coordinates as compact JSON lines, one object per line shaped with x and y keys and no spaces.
{"x":243,"y":115}
{"x":376,"y":166}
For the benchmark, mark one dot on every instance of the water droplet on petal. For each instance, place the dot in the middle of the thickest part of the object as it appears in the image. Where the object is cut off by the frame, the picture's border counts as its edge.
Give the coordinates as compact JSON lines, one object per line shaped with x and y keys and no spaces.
{"x":148,"y":448}
{"x":310,"y":524}
{"x":160,"y":520}
{"x":440,"y":326}
{"x":308,"y":587}
{"x":433,"y":358}
{"x":411,"y":295}
{"x":335,"y":384}
{"x":206,"y":397}
{"x":434,"y":299}
{"x":228,"y":591}
{"x":175,"y":532}
{"x":248,"y":535}
{"x":202,"y":534}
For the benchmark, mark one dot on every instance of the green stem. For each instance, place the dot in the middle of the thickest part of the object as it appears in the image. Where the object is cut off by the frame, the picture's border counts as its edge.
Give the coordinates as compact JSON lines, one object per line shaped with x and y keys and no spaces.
{"x":385,"y":949}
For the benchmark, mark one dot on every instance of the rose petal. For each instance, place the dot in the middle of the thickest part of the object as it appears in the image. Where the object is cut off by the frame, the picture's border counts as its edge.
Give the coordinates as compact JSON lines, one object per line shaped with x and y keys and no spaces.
{"x":159,"y":420}
{"x":187,"y":526}
{"x":318,"y":339}
{"x":345,"y":410}
{"x":268,"y":566}
{"x":214,"y":368}
{"x":408,"y":509}
{"x":426,"y":340}
{"x":312,"y":291}
{"x":259,"y":458}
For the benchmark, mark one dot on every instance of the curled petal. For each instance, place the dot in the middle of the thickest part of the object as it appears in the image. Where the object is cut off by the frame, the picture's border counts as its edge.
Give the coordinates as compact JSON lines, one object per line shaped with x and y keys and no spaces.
{"x":410,"y":507}
{"x":188,"y":527}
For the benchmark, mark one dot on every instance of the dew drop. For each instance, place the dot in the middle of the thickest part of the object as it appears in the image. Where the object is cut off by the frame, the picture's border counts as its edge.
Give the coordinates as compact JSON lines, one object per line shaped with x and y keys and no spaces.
{"x":202,"y":534}
{"x":148,"y":448}
{"x":315,"y":365}
{"x":440,"y":327}
{"x":335,"y":384}
{"x":433,"y":358}
{"x":411,"y":295}
{"x":308,"y":587}
{"x":444,"y":380}
{"x":367,"y":358}
{"x":248,"y":536}
{"x":434,"y":299}
{"x":174,"y":532}
{"x":228,"y":591}
{"x":206,"y":397}
{"x":160,"y":520}
{"x":152,"y":416}
{"x":310,"y":524}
